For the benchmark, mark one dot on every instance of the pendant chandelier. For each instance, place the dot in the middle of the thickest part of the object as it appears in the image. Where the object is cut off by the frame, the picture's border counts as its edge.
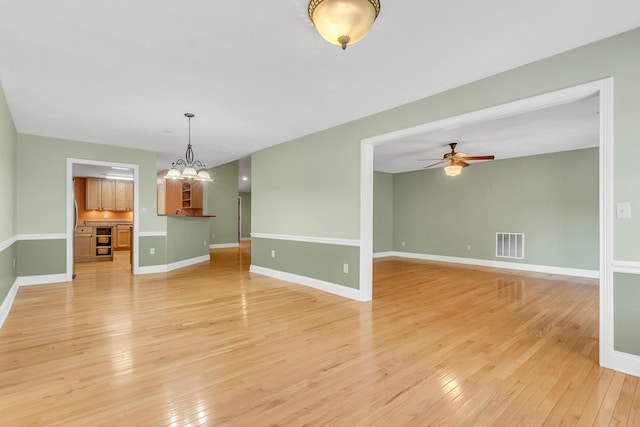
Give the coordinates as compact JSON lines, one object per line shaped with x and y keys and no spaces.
{"x":189,"y":164}
{"x":343,"y":22}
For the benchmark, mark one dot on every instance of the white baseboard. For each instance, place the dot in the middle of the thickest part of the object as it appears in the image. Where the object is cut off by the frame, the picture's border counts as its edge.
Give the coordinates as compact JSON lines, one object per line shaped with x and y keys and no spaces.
{"x":626,"y":363}
{"x":321,"y":285}
{"x":5,"y":307}
{"x":45,"y":279}
{"x":245,"y":238}
{"x":188,"y":262}
{"x":577,"y":272}
{"x":152,"y":269}
{"x":224,"y":245}
{"x":383,"y":254}
{"x":165,"y":268}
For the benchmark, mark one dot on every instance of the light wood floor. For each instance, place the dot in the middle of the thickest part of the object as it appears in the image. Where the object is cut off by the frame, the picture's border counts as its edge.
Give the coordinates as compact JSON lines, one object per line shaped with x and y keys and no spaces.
{"x":213,"y":344}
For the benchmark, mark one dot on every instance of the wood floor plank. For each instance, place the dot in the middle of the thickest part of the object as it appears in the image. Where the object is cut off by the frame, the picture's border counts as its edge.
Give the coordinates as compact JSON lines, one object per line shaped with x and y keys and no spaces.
{"x":212,"y":344}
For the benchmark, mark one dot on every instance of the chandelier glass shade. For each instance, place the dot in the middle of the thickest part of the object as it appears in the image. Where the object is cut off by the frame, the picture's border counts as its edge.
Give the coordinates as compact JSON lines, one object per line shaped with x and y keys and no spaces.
{"x":343,"y":22}
{"x":193,"y":169}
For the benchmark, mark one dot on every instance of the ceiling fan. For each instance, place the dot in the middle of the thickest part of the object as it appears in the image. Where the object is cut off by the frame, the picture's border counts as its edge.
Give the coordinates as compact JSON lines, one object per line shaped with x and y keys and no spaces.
{"x":457,"y":160}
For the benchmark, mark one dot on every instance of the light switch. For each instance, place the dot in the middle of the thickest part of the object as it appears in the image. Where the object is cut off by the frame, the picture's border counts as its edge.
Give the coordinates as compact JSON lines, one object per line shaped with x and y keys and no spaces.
{"x":623,"y":210}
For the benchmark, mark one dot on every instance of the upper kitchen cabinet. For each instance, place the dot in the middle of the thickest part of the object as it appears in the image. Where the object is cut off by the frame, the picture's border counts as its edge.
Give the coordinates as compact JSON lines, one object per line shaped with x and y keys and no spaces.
{"x":123,"y":195}
{"x":109,"y":195}
{"x":180,"y":197}
{"x":93,"y":200}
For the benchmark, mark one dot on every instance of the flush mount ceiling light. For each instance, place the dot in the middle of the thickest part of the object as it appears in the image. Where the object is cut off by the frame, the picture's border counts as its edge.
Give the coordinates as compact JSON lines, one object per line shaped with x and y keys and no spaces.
{"x":189,"y":164}
{"x":343,"y":22}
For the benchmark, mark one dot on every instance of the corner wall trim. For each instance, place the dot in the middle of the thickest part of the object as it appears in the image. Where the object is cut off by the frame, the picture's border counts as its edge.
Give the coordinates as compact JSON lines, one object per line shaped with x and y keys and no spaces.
{"x":592,"y":274}
{"x":320,"y":285}
{"x":5,"y":307}
{"x":224,"y":245}
{"x":308,"y":239}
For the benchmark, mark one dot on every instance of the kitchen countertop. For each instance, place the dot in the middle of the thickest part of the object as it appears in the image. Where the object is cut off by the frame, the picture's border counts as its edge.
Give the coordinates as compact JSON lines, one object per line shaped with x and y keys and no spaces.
{"x":106,"y":223}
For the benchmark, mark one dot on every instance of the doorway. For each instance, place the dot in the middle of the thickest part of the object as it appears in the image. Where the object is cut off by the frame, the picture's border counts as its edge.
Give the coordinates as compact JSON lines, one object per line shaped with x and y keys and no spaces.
{"x":604,"y":90}
{"x":101,"y":226}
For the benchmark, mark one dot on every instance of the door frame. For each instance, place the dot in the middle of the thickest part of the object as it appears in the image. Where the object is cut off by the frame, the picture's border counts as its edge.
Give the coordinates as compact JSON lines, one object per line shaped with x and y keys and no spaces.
{"x":71,"y":214}
{"x":609,"y":358}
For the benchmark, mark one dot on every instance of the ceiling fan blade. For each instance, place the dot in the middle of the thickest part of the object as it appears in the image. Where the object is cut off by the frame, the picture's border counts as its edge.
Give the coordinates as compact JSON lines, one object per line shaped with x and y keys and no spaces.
{"x":480,"y":158}
{"x":443,"y":161}
{"x":460,"y":155}
{"x":426,"y":160}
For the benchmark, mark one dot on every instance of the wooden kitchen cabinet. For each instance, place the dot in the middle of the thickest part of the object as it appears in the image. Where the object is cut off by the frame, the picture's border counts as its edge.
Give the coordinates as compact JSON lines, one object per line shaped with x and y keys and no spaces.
{"x":123,"y":237}
{"x":83,"y":244}
{"x":93,"y":200}
{"x":123,"y":195}
{"x":128,"y":199}
{"x":108,"y":195}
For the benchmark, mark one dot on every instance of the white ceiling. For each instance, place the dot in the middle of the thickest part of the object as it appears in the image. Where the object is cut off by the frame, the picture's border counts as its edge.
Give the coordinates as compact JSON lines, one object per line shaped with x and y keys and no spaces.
{"x":255,"y":73}
{"x":565,"y":127}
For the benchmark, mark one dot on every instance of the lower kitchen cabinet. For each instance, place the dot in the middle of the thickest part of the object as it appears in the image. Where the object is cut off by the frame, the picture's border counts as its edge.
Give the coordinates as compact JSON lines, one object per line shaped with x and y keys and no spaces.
{"x":123,"y":237}
{"x":83,"y":244}
{"x":93,"y":244}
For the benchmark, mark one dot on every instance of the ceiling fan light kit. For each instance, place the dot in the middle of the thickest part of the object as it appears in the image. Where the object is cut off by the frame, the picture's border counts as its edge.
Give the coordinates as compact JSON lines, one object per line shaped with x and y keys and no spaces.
{"x":190,"y":165}
{"x":343,"y":22}
{"x":457,"y":160}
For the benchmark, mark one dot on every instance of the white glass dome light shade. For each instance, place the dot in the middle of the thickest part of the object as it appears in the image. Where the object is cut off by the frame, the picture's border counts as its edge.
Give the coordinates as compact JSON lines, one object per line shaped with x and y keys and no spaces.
{"x":173,"y":173}
{"x":189,"y":173}
{"x":453,"y":170}
{"x":335,"y":19}
{"x":203,"y":175}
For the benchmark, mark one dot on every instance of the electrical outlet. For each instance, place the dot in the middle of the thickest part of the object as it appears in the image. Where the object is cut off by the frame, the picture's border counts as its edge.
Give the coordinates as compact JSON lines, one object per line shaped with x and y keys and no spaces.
{"x":345,"y":268}
{"x":273,"y":253}
{"x":105,"y":215}
{"x":402,"y":243}
{"x":205,"y":243}
{"x":14,"y":263}
{"x":468,"y":247}
{"x":152,"y":251}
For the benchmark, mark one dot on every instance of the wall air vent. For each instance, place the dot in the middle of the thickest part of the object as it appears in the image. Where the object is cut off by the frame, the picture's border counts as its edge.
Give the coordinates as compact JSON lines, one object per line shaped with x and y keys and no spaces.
{"x":510,"y":245}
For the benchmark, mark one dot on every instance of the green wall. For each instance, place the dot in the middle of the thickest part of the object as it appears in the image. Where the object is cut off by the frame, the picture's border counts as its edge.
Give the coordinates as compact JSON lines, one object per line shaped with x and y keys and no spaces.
{"x":41,"y":257}
{"x":222,"y":199}
{"x":245,"y":217}
{"x":551,"y":198}
{"x":8,"y":189}
{"x":626,"y":317}
{"x":382,"y":212}
{"x":187,"y":238}
{"x":49,"y":155}
{"x":315,"y":260}
{"x":159,"y":246}
{"x":311,"y":186}
{"x":308,"y":187}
